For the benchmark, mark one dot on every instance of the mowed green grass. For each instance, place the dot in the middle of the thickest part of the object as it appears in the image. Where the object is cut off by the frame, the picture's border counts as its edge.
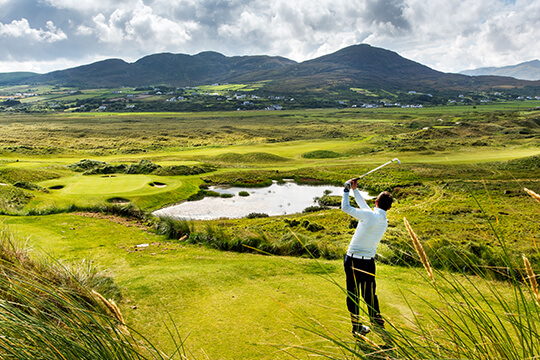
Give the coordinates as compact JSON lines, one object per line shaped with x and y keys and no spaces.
{"x":91,"y":190}
{"x":227,"y":305}
{"x":94,"y":190}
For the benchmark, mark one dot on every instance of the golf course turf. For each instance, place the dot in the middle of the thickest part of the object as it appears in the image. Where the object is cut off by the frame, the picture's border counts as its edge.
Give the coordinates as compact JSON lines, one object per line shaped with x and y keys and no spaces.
{"x":460,"y":185}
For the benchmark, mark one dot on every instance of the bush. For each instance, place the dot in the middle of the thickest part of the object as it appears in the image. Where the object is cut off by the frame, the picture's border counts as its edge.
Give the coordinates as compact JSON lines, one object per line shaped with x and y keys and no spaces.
{"x":174,"y":229}
{"x":243,"y":193}
{"x":329,"y":200}
{"x":314,"y":208}
{"x":255,"y":215}
{"x":86,"y":164}
{"x":183,"y":170}
{"x":92,"y":167}
{"x":142,"y":167}
{"x":321,"y":154}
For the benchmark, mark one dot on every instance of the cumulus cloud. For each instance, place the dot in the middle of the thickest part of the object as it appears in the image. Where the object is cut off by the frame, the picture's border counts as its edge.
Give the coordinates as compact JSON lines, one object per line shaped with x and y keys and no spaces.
{"x":448,"y":35}
{"x":21,"y":29}
{"x":138,"y":27}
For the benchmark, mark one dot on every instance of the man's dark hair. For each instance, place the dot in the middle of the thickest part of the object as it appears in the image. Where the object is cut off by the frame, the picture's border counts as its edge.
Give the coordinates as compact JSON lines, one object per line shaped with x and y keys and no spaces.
{"x":384,"y":200}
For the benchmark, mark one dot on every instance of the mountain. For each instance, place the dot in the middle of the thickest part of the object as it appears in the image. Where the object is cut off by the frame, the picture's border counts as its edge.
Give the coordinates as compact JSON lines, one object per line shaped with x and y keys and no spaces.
{"x":13,"y":78}
{"x":529,"y":70}
{"x":362,"y":66}
{"x":165,"y":68}
{"x":374,"y":68}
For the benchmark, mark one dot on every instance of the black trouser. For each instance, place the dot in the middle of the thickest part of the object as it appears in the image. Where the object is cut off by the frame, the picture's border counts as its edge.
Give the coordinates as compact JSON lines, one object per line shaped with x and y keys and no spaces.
{"x":360,"y":274}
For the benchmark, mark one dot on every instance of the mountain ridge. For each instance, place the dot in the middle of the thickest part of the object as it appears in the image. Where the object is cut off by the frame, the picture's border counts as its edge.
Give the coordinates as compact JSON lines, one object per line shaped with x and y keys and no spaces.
{"x":528,"y":70}
{"x":359,"y":65}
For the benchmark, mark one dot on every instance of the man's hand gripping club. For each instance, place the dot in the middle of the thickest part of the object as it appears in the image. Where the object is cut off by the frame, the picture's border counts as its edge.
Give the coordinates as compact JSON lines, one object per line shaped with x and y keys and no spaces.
{"x":351,"y":184}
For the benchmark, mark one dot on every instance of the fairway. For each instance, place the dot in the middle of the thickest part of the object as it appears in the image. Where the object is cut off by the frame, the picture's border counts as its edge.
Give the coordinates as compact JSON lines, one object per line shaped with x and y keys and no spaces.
{"x":227,"y":305}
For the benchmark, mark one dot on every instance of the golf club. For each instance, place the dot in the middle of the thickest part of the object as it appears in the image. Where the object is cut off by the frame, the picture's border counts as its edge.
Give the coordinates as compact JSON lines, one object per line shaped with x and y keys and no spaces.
{"x":377,"y":168}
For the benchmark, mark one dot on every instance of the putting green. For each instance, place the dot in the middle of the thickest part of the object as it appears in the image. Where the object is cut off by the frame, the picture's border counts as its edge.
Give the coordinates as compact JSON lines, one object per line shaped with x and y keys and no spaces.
{"x":95,"y":189}
{"x":107,"y":185}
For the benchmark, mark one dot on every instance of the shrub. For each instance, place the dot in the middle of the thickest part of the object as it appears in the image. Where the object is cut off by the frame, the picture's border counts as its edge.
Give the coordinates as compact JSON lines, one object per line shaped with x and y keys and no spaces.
{"x":173,"y":228}
{"x":243,"y":193}
{"x":184,"y":170}
{"x":86,"y":164}
{"x":314,"y":208}
{"x":322,"y":154}
{"x":313,"y":227}
{"x":329,"y":200}
{"x":255,"y":215}
{"x":292,"y":223}
{"x":142,"y":167}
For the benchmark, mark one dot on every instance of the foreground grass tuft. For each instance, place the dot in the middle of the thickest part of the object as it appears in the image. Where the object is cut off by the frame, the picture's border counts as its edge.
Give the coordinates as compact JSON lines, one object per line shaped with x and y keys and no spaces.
{"x":52,"y":311}
{"x":474,"y":317}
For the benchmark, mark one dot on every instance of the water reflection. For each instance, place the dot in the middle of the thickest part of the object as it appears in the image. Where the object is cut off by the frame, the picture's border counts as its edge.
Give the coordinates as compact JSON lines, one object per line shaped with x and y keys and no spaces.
{"x":277,"y":199}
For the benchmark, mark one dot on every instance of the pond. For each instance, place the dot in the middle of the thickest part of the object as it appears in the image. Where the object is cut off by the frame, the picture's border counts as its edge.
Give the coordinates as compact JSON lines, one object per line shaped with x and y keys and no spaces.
{"x":277,"y":199}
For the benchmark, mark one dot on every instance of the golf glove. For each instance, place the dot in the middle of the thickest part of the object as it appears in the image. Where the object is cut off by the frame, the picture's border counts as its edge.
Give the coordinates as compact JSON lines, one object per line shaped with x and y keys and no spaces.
{"x":347,"y":185}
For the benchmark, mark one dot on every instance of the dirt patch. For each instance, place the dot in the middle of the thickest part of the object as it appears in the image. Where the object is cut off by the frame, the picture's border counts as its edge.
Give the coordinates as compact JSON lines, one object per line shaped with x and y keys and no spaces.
{"x":116,"y":219}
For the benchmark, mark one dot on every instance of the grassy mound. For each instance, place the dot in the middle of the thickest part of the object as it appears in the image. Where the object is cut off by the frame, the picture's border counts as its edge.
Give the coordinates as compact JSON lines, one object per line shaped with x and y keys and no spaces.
{"x":526,"y":163}
{"x":322,"y":154}
{"x":13,"y":175}
{"x":250,"y":158}
{"x":13,"y":199}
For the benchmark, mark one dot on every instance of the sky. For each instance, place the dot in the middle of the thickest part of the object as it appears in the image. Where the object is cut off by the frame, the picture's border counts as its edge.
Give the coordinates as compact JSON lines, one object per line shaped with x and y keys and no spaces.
{"x":446,"y":35}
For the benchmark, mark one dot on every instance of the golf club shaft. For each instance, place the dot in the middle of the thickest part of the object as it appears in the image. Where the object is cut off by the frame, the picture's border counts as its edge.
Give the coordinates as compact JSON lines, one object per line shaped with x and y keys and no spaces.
{"x":377,"y":168}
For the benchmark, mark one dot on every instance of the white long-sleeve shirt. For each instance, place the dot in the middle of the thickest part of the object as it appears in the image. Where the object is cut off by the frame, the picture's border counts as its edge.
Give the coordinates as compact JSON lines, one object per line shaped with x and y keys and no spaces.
{"x":371,"y":225}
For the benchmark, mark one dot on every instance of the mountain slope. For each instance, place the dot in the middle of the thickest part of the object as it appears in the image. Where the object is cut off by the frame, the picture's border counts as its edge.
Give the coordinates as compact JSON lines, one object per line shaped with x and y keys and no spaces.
{"x":529,"y":70}
{"x":165,"y":68}
{"x":361,"y":66}
{"x":370,"y":67}
{"x":13,"y":78}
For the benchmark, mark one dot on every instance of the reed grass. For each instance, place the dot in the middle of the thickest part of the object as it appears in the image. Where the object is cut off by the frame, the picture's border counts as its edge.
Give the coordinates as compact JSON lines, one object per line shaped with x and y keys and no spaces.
{"x":533,"y":194}
{"x":419,"y":249}
{"x":475,"y":317}
{"x":532,"y":279}
{"x":49,"y":311}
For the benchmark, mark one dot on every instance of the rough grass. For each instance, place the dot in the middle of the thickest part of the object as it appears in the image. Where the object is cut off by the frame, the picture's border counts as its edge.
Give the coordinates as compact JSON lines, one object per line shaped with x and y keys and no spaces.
{"x":13,"y":175}
{"x":235,"y":305}
{"x":248,"y":158}
{"x":322,"y":154}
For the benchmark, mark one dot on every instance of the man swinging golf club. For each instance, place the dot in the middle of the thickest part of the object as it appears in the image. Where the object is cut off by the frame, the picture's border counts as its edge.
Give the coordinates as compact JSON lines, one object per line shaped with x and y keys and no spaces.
{"x":359,"y":261}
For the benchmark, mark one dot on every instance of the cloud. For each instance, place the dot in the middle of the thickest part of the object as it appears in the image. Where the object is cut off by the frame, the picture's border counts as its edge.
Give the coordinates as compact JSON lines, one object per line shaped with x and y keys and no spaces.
{"x":453,"y":35}
{"x":87,"y":5}
{"x":21,"y":29}
{"x":138,"y":27}
{"x":448,"y":35}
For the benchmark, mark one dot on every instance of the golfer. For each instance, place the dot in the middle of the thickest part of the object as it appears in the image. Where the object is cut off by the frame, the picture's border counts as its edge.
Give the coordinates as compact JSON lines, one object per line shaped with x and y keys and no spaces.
{"x":360,"y":258}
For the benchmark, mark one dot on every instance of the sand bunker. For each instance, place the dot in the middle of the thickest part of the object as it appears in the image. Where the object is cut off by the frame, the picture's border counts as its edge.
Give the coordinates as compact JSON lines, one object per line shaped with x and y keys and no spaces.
{"x":56,"y":187}
{"x":118,"y":200}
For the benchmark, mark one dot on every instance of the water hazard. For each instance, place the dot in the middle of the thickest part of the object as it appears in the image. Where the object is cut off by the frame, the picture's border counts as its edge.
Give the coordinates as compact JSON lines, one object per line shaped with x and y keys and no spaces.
{"x":277,"y":199}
